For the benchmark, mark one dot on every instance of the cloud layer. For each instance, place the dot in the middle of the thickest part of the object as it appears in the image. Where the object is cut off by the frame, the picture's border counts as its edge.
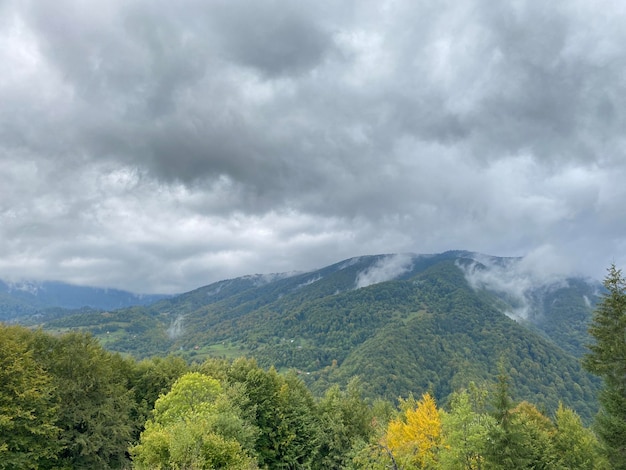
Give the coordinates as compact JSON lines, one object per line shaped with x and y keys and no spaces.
{"x":158,"y":146}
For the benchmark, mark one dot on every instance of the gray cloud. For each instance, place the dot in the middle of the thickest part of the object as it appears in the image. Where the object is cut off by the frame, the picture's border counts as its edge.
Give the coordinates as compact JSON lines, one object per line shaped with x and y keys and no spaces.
{"x":158,"y":146}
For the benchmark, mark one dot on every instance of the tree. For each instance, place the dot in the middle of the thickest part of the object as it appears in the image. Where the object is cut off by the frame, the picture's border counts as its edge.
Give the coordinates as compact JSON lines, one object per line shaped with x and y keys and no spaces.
{"x":576,"y":447}
{"x":195,"y":425}
{"x":607,"y":359}
{"x":505,"y":440}
{"x":28,"y":432}
{"x":285,"y":413}
{"x":151,"y":378}
{"x":94,"y":404}
{"x":466,"y":428}
{"x":536,"y":432}
{"x":415,"y":438}
{"x":346,"y":421}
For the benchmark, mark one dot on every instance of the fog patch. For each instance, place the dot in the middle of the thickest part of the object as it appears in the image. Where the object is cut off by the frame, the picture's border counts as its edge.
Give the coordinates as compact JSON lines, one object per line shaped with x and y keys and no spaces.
{"x":32,"y":288}
{"x":308,"y":282}
{"x":348,"y":263}
{"x":215,"y":291}
{"x":386,"y":269}
{"x":259,"y":280}
{"x":176,"y":328}
{"x":517,"y":279}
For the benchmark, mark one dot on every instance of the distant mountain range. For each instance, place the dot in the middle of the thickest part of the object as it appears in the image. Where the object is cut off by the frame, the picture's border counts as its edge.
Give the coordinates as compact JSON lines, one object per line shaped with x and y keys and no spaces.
{"x":404,"y":323}
{"x":27,"y":298}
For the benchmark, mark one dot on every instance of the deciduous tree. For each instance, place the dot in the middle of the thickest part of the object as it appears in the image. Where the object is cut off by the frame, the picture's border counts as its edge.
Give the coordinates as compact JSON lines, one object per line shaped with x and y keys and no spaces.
{"x":28,"y":431}
{"x":94,"y":402}
{"x":195,"y":425}
{"x":576,"y":447}
{"x":416,"y":437}
{"x":466,"y":428}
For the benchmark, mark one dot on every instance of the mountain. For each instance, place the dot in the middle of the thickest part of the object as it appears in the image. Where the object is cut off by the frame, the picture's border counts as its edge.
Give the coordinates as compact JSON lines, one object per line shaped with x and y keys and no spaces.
{"x":27,"y":298}
{"x":404,"y":323}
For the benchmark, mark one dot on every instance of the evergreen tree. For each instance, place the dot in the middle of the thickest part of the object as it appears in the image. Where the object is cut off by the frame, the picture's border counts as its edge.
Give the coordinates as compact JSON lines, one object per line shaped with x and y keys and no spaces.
{"x":607,"y":359}
{"x":505,"y":439}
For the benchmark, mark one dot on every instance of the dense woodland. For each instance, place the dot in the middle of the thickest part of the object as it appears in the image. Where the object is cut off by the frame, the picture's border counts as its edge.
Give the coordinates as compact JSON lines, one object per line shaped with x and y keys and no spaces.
{"x":426,"y":330}
{"x":67,"y":402}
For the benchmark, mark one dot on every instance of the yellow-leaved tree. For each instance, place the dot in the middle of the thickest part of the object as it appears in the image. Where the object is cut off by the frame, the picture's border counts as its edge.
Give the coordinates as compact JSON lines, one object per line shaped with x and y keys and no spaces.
{"x":415,"y":437}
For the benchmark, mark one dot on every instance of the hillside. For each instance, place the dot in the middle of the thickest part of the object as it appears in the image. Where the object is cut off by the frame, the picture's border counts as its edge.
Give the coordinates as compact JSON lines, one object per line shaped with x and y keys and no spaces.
{"x":23,"y":299}
{"x":404,"y":323}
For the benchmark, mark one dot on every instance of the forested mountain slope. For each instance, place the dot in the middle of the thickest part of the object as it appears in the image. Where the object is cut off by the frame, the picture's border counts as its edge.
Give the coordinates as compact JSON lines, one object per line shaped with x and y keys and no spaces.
{"x":404,"y":323}
{"x":23,"y":299}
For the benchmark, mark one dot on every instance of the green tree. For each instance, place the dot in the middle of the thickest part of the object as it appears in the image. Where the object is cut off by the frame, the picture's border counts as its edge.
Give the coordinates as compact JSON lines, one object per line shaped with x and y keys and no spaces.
{"x":346,"y":421}
{"x":522,"y":435}
{"x":375,"y":454}
{"x":505,"y":440}
{"x":575,"y":446}
{"x":466,"y":428}
{"x":607,"y":359}
{"x":28,"y":431}
{"x":195,"y":425}
{"x":93,"y":400}
{"x":284,"y":411}
{"x":154,"y":377}
{"x":536,"y":431}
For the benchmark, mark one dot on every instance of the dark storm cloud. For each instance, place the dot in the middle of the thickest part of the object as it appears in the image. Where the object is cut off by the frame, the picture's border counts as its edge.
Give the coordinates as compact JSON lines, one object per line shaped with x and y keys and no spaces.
{"x":276,"y":38}
{"x":231,"y":128}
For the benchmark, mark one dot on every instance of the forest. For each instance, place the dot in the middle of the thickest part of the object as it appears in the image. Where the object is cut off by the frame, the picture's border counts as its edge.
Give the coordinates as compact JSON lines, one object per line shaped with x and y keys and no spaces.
{"x":428,"y":330}
{"x":67,"y":402}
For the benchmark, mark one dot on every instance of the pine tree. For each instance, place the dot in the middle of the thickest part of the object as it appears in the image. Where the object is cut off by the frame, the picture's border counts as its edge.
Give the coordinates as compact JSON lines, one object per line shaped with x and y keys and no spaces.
{"x":505,"y":448}
{"x":607,"y":359}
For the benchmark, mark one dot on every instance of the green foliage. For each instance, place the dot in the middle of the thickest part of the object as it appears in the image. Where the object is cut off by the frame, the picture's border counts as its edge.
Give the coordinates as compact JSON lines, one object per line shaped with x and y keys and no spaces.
{"x":187,"y":445}
{"x":346,"y":424}
{"x":607,"y":359}
{"x":506,"y":444}
{"x":466,"y":430}
{"x":67,"y":403}
{"x":284,"y":412}
{"x":28,"y":430}
{"x":427,"y":330}
{"x":575,"y":447}
{"x":149,"y":379}
{"x":195,"y":425}
{"x":93,"y":398}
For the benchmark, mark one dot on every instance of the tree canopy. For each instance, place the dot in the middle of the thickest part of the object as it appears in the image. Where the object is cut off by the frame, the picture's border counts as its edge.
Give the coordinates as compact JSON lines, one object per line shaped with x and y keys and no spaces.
{"x":607,"y":359}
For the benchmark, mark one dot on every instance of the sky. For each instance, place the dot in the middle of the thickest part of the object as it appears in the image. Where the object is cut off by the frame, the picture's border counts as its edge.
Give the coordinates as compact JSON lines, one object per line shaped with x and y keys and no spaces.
{"x":158,"y":146}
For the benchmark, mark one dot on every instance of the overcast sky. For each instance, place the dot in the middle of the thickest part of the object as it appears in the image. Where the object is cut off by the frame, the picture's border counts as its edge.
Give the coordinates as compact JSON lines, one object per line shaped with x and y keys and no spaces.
{"x":157,"y":146}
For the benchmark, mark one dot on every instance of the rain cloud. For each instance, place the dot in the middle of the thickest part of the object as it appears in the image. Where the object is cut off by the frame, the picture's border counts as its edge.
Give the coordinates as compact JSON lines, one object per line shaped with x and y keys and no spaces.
{"x":159,"y":146}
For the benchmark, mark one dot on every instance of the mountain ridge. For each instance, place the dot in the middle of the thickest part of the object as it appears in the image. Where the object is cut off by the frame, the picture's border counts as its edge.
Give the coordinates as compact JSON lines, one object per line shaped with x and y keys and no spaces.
{"x":402,"y":322}
{"x":23,"y":298}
